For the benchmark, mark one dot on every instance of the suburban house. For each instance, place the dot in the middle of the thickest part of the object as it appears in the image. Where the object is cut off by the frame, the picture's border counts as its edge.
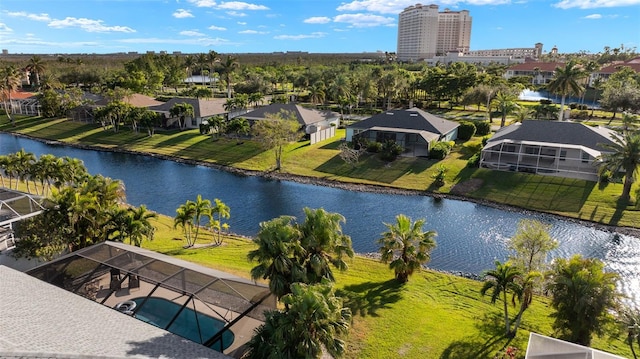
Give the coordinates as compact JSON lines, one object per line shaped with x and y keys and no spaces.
{"x":541,"y":72}
{"x":553,"y":148}
{"x":202,"y":110}
{"x":604,"y":73}
{"x":319,"y":125}
{"x":23,"y":103}
{"x":412,"y":129}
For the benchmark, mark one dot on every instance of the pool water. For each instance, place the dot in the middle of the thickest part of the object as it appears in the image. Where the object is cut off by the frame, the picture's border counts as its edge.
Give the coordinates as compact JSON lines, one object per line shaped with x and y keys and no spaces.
{"x":159,"y":312}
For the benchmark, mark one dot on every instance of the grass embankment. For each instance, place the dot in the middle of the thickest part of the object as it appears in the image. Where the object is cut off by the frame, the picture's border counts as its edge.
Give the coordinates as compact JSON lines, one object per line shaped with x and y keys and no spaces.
{"x":567,"y":197}
{"x":435,"y":315}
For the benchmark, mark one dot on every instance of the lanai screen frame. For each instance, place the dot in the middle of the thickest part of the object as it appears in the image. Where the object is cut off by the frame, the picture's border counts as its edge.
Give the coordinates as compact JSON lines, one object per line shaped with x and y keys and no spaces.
{"x":241,"y":297}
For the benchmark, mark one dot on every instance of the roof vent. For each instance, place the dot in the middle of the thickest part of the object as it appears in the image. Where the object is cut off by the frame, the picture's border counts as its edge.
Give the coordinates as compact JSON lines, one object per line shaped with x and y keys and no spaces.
{"x":389,"y":113}
{"x":413,"y":114}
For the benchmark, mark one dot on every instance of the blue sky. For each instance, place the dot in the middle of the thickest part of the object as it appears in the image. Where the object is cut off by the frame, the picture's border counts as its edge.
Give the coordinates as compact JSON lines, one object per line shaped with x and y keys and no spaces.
{"x":193,"y":26}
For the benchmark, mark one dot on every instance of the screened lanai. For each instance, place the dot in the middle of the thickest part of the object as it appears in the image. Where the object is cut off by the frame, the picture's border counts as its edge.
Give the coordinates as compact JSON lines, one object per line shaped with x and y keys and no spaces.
{"x":15,"y":206}
{"x":207,"y":306}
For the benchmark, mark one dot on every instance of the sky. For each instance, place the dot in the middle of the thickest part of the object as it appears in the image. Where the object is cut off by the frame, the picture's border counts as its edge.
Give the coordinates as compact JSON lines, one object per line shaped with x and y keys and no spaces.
{"x":317,"y":26}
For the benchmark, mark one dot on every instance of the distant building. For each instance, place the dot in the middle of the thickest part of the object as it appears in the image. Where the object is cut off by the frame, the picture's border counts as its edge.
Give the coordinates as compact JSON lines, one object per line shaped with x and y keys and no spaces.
{"x":452,"y":57}
{"x":516,"y":53}
{"x":604,"y":73}
{"x":5,"y":52}
{"x":423,"y":32}
{"x":541,"y":72}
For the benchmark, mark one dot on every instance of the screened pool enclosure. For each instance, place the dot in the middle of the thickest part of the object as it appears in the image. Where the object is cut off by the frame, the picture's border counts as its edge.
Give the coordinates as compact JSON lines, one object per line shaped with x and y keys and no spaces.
{"x":210,"y":307}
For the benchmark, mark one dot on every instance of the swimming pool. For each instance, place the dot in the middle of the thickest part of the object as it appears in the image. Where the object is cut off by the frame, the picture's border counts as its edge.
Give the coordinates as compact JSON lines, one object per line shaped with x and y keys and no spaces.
{"x":190,"y":324}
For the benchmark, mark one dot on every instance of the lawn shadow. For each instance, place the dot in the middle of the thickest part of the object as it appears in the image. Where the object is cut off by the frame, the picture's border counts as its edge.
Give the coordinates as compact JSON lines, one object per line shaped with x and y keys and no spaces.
{"x":367,"y":298}
{"x":177,"y":140}
{"x":483,"y":346}
{"x":372,"y":168}
{"x":621,"y":205}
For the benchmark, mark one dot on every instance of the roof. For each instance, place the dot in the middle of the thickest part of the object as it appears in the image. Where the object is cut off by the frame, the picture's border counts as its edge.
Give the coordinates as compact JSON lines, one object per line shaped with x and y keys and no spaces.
{"x":556,"y":132}
{"x":135,"y":99}
{"x":16,"y":205}
{"x":532,"y":66}
{"x":40,"y":320}
{"x":411,"y":119}
{"x":541,"y":347}
{"x":201,"y":108}
{"x":634,"y":64}
{"x":21,"y":95}
{"x":305,"y":116}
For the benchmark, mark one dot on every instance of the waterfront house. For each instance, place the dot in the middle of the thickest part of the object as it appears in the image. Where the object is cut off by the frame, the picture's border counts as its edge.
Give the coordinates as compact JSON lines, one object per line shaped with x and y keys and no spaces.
{"x":553,"y":148}
{"x":202,"y":110}
{"x":318,"y":124}
{"x":413,"y":129}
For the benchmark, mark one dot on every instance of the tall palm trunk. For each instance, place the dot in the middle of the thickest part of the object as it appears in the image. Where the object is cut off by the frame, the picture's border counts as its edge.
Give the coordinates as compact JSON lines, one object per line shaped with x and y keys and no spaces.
{"x":561,"y":114}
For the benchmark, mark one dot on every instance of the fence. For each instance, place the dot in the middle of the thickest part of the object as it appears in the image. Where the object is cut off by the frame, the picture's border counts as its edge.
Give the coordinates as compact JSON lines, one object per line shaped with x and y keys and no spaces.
{"x":322,"y":135}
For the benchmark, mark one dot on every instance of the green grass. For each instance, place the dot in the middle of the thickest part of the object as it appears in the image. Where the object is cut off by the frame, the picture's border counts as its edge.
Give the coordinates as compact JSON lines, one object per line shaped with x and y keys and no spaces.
{"x":434,"y":315}
{"x":567,"y":197}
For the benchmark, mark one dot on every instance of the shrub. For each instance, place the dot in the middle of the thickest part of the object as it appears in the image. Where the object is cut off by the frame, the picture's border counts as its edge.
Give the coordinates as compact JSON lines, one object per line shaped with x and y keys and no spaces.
{"x":466,"y":130}
{"x":440,"y":176}
{"x":374,"y":147}
{"x":439,"y":150}
{"x":474,"y":160}
{"x":545,"y":102}
{"x":485,"y":139}
{"x":483,"y":128}
{"x":390,"y":150}
{"x":580,"y":114}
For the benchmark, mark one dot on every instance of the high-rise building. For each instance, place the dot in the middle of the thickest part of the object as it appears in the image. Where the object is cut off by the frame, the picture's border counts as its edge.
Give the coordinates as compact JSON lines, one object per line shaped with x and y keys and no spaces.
{"x":423,"y":32}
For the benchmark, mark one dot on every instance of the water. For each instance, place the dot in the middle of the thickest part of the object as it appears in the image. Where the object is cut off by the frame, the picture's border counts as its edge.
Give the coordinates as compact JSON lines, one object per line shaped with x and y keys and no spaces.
{"x":470,"y":236}
{"x":530,"y":95}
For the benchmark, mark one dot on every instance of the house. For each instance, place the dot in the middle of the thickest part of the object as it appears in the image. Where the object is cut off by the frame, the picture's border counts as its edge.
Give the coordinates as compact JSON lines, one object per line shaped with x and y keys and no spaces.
{"x":412,"y":129}
{"x":604,"y":73}
{"x":544,"y":347}
{"x":541,"y":72}
{"x":319,"y":125}
{"x":202,"y":110}
{"x":553,"y":148}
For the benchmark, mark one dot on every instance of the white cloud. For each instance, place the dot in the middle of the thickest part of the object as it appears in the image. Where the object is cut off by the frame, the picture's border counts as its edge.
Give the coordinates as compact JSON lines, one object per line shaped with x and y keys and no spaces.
{"x":88,"y":25}
{"x":4,"y":29}
{"x":239,"y":5}
{"x":593,"y":17}
{"x":38,"y":42}
{"x":191,"y":33}
{"x":36,"y":17}
{"x":203,"y":41}
{"x":364,"y":20}
{"x":182,"y":13}
{"x":594,"y":4}
{"x":241,"y":23}
{"x":228,"y":5}
{"x":313,"y":35}
{"x":252,"y":32}
{"x":396,"y":6}
{"x":236,"y":13}
{"x":317,"y":20}
{"x":340,"y":30}
{"x":218,"y":28}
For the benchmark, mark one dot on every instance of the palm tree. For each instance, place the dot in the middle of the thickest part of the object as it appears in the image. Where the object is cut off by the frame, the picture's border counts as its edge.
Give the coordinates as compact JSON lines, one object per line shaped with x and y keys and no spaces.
{"x":184,"y":218}
{"x":278,"y":246}
{"x":316,"y":93}
{"x":181,"y":111}
{"x":24,"y":161}
{"x":229,"y":65}
{"x":212,"y":58}
{"x":566,"y":81}
{"x":37,"y":66}
{"x":189,"y":64}
{"x":201,"y":208}
{"x":324,"y":243}
{"x":406,"y":247}
{"x":239,"y":126}
{"x":202,"y":60}
{"x":500,"y":281}
{"x":10,"y":80}
{"x":506,"y":103}
{"x":140,"y":226}
{"x":222,"y":211}
{"x":522,"y":112}
{"x":623,"y":155}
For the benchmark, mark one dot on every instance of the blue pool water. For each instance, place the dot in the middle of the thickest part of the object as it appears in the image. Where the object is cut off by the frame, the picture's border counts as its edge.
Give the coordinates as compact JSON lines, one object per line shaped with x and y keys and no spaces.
{"x":159,"y":312}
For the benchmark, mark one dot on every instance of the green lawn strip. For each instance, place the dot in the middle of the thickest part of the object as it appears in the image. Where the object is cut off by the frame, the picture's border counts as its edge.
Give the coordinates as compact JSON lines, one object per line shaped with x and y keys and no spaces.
{"x":568,"y":197}
{"x":435,"y":315}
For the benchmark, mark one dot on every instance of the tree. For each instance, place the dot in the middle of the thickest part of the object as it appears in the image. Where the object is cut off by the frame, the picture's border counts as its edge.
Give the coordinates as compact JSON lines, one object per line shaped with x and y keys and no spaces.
{"x":567,"y":81}
{"x":201,"y":208}
{"x":623,"y":155}
{"x":276,"y":131}
{"x":522,"y":112}
{"x":505,"y":102}
{"x":350,"y":155}
{"x":500,"y":281}
{"x":229,"y":66}
{"x":238,"y":126}
{"x":36,"y":65}
{"x":184,"y":218}
{"x":181,"y":111}
{"x":631,"y":323}
{"x":314,"y":321}
{"x":531,"y":245}
{"x":406,"y":247}
{"x":140,"y":226}
{"x":221,"y":210}
{"x":10,"y":80}
{"x":583,"y":296}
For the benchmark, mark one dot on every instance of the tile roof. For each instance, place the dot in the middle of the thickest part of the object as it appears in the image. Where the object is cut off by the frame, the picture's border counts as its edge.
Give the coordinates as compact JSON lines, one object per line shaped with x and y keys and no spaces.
{"x":40,"y":320}
{"x":542,"y":66}
{"x":634,"y":64}
{"x":411,"y":119}
{"x":201,"y":108}
{"x":135,"y":99}
{"x":305,"y":116}
{"x":570,"y":133}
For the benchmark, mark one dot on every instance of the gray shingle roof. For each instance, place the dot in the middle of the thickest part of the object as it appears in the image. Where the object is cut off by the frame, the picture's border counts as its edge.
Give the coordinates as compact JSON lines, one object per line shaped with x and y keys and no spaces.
{"x":411,"y":119}
{"x":304,"y":116}
{"x":201,"y":108}
{"x":570,"y":133}
{"x":39,"y":320}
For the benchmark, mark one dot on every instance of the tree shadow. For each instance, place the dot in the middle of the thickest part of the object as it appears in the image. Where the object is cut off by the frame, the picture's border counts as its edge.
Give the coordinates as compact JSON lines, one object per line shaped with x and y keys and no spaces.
{"x":621,"y":205}
{"x":168,"y":346}
{"x":483,"y":346}
{"x":367,"y":298}
{"x":371,"y":168}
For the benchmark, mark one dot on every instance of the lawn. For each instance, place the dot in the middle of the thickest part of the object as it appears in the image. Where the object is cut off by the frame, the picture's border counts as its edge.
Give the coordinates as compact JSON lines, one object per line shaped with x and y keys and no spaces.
{"x":567,"y":197}
{"x":435,"y":315}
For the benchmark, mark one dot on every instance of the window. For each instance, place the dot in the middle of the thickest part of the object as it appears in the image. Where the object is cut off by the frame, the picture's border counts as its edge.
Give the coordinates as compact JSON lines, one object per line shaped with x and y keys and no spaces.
{"x":585,"y":157}
{"x":563,"y":155}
